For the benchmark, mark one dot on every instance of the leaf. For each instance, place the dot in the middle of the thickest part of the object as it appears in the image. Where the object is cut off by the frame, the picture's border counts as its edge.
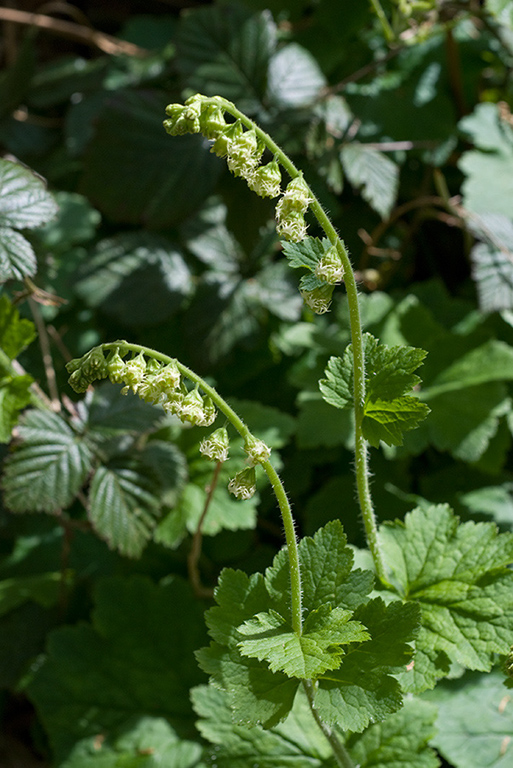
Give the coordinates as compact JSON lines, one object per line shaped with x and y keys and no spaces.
{"x":47,"y":469}
{"x":226,"y":53}
{"x":459,"y":576}
{"x":15,"y":333}
{"x":124,"y":506}
{"x":140,"y":742}
{"x":374,"y":173}
{"x":17,"y":257}
{"x":475,"y":721}
{"x":44,"y":589}
{"x":488,"y":187}
{"x":269,"y":424}
{"x":76,"y":222}
{"x":401,"y":740}
{"x":294,"y":78}
{"x":296,"y":742}
{"x":102,"y":677}
{"x":363,"y":689}
{"x":319,"y":425}
{"x":14,"y":396}
{"x":388,"y":376}
{"x":269,"y":637}
{"x":110,"y":413}
{"x":25,"y":202}
{"x":127,"y":269}
{"x":152,"y":180}
{"x":492,"y":260}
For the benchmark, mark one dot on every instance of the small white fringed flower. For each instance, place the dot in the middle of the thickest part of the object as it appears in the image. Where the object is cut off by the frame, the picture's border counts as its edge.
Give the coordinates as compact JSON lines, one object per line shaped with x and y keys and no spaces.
{"x":243,"y":485}
{"x":258,"y":452}
{"x":215,"y":446}
{"x":266,"y":180}
{"x":330,"y":267}
{"x":292,"y":227}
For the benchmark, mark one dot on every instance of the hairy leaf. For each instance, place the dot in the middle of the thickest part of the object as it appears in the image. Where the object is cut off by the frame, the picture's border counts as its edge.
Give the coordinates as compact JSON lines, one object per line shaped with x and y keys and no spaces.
{"x":48,"y":468}
{"x":25,"y":202}
{"x":459,"y":576}
{"x":295,"y":78}
{"x":17,"y":257}
{"x":100,"y":677}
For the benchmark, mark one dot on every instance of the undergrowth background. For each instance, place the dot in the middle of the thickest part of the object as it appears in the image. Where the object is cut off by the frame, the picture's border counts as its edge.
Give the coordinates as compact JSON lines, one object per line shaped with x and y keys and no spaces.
{"x":405,"y":133}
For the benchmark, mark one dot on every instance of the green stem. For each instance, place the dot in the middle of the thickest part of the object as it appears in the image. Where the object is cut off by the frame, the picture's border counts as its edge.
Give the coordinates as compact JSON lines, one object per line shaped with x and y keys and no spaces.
{"x":339,"y":751}
{"x":242,"y":429}
{"x":385,"y":24}
{"x":361,"y":453}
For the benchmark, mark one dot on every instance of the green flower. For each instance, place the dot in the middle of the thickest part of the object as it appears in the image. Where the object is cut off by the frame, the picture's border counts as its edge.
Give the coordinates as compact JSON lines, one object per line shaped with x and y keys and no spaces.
{"x":330,"y":267}
{"x":216,"y":446}
{"x":319,"y":299}
{"x":266,"y":180}
{"x":243,"y":485}
{"x":257,"y":450}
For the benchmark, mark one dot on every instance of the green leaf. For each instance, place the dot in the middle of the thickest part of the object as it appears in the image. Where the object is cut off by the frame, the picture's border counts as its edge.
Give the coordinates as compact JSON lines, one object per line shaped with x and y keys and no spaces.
{"x":296,"y":742}
{"x":459,"y":576}
{"x":475,"y":721}
{"x":76,"y":222}
{"x":25,"y":201}
{"x":152,"y":180}
{"x":124,"y":506}
{"x":319,"y":425}
{"x":294,"y":78}
{"x":15,"y":333}
{"x":109,"y":412}
{"x":401,"y":740}
{"x":48,"y":467}
{"x":318,"y":649}
{"x":362,"y":689}
{"x":375,"y":173}
{"x":226,"y":54}
{"x":492,"y":260}
{"x":307,"y":253}
{"x":43,"y":589}
{"x":100,"y":678}
{"x":388,"y":375}
{"x":14,"y":396}
{"x":488,"y":187}
{"x":140,"y":742}
{"x":17,"y":257}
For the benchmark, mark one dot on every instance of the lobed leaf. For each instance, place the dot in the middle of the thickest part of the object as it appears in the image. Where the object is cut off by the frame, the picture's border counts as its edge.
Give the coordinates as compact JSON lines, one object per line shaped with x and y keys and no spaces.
{"x":25,"y":202}
{"x":374,"y":172}
{"x":459,"y":576}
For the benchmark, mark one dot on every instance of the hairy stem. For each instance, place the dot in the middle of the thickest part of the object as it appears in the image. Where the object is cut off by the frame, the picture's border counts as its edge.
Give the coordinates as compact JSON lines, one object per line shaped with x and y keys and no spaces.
{"x":361,"y":453}
{"x":340,"y":753}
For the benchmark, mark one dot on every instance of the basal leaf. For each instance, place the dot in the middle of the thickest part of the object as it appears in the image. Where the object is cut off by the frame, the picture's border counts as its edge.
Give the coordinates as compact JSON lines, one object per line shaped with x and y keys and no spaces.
{"x":268,"y":636}
{"x":48,"y":467}
{"x":101,"y":677}
{"x":363,"y":690}
{"x":459,"y":576}
{"x":475,"y":721}
{"x":297,"y":742}
{"x":124,"y":506}
{"x":374,"y":173}
{"x":25,"y":202}
{"x":226,"y":53}
{"x":15,"y":333}
{"x":401,"y":740}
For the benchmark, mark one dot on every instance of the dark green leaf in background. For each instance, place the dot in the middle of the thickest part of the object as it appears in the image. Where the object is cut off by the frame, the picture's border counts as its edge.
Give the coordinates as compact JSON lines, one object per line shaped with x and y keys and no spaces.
{"x":374,"y":173}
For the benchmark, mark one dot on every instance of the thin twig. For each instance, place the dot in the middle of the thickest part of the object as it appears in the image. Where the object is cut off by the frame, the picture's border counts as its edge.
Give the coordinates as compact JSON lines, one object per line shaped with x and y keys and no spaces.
{"x":70,"y":29}
{"x":44,"y":343}
{"x":195,"y":551}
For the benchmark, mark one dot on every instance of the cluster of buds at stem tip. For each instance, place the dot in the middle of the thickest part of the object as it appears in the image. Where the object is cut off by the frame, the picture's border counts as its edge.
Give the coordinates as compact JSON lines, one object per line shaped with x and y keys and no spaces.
{"x":154,"y":382}
{"x":242,"y":148}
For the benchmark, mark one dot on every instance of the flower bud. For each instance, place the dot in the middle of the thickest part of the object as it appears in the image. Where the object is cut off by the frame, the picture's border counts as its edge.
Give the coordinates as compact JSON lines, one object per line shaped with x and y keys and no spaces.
{"x":134,"y":371}
{"x":292,"y":227}
{"x":243,"y":485}
{"x":257,"y":450}
{"x":115,"y":367}
{"x":243,"y":155}
{"x":216,"y":446}
{"x":266,"y":180}
{"x":330,"y":267}
{"x":209,"y":413}
{"x":94,"y":364}
{"x":296,"y":198}
{"x":212,"y":122}
{"x":191,"y":407}
{"x":319,"y":299}
{"x":79,"y":382}
{"x":223,"y":142}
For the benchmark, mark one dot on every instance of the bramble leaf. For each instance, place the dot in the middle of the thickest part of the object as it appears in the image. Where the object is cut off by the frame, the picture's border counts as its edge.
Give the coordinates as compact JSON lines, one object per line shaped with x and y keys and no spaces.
{"x":374,"y":172}
{"x":459,"y":576}
{"x":388,"y":410}
{"x":47,"y":469}
{"x":318,"y":649}
{"x":15,"y":333}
